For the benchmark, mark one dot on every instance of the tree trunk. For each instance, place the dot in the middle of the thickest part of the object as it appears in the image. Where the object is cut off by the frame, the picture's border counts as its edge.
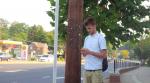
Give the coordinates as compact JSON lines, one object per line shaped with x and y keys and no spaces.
{"x":74,"y":33}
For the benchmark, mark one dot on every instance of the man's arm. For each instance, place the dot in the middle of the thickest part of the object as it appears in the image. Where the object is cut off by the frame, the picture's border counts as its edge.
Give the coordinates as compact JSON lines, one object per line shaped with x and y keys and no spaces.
{"x":101,"y":54}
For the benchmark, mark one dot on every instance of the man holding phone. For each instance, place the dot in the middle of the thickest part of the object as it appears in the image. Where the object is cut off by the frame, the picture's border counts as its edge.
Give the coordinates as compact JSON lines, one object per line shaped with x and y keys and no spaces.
{"x":94,"y":51}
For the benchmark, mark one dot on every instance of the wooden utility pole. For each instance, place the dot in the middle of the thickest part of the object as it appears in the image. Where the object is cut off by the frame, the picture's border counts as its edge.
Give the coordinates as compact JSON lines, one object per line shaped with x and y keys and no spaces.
{"x":74,"y":33}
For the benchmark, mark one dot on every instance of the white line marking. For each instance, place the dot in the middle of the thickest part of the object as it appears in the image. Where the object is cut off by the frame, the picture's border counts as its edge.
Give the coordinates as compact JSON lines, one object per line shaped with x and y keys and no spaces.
{"x":63,"y":78}
{"x":135,"y":79}
{"x":60,"y":78}
{"x":14,"y":82}
{"x":45,"y":77}
{"x":18,"y":70}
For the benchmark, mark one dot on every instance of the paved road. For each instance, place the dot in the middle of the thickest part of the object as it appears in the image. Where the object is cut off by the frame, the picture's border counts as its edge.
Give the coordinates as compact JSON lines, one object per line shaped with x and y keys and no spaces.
{"x":140,"y":75}
{"x":35,"y":73}
{"x":28,"y":73}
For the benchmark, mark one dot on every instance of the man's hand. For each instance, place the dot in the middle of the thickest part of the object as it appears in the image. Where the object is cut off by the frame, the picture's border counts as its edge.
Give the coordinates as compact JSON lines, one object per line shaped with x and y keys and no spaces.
{"x":85,"y":51}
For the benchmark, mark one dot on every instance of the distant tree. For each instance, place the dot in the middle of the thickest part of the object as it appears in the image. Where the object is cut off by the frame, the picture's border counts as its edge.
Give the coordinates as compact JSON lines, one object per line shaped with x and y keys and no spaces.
{"x":142,"y":49}
{"x":3,"y":29}
{"x":37,"y":34}
{"x":25,"y":33}
{"x":18,"y":31}
{"x":3,"y":22}
{"x":50,"y":38}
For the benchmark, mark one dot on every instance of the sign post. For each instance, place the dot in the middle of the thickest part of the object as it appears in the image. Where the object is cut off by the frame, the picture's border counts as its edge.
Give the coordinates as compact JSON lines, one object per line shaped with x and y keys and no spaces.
{"x":56,"y":41}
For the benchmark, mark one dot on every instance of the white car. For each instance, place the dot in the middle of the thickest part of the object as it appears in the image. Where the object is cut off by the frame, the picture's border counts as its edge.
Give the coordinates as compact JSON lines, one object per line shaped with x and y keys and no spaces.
{"x":47,"y":58}
{"x":4,"y":56}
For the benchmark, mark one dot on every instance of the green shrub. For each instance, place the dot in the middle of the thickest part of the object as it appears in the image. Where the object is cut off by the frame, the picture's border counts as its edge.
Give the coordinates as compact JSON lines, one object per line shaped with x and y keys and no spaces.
{"x":148,"y":62}
{"x":33,"y":59}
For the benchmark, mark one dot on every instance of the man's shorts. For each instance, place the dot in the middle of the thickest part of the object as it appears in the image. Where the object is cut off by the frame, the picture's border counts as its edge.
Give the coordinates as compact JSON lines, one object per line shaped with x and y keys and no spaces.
{"x":93,"y":76}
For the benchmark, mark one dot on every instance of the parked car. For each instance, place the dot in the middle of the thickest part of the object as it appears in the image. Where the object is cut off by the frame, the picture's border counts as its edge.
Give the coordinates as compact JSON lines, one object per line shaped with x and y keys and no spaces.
{"x":47,"y":58}
{"x":4,"y":56}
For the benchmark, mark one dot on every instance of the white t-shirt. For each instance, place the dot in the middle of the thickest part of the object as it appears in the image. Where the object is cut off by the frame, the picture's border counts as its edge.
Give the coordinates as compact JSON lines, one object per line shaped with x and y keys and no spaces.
{"x":94,"y":43}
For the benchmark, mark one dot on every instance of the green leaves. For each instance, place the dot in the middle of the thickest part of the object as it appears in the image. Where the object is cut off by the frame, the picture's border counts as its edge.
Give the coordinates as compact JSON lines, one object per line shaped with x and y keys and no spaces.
{"x":142,"y":49}
{"x":107,"y":14}
{"x":3,"y":29}
{"x":18,"y":31}
{"x":22,"y":32}
{"x":36,"y":33}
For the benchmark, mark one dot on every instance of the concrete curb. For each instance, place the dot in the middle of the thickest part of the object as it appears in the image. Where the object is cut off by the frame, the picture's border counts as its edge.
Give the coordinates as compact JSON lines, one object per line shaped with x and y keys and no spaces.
{"x":28,"y":62}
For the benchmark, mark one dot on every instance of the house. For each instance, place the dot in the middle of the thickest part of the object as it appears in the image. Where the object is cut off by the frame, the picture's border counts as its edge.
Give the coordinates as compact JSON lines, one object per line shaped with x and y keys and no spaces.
{"x":37,"y":48}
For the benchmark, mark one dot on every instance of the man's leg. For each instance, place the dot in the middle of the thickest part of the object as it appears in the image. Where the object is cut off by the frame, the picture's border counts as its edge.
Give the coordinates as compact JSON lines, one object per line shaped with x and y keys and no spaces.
{"x":97,"y":77}
{"x":87,"y":77}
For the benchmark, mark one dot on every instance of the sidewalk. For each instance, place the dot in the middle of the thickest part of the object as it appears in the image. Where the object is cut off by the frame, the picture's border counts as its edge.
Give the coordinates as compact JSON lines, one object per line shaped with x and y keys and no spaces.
{"x":140,"y":75}
{"x":106,"y":81}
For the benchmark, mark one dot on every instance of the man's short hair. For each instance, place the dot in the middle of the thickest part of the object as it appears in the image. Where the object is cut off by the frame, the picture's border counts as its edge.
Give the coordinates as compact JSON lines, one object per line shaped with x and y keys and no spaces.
{"x":89,"y":20}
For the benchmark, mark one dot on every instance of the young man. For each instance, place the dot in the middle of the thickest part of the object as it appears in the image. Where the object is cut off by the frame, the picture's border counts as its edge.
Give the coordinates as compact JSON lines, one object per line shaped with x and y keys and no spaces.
{"x":94,"y":50}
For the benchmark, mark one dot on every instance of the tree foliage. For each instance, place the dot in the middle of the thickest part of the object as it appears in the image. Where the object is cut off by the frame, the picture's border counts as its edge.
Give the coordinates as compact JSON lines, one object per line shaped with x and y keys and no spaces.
{"x":50,"y":38}
{"x":25,"y":33}
{"x":36,"y":33}
{"x":120,"y":20}
{"x":142,"y":49}
{"x":3,"y":29}
{"x":18,"y":31}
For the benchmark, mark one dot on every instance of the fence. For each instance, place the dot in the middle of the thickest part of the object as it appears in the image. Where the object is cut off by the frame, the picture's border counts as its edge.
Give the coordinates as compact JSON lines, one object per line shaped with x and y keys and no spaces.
{"x":120,"y":64}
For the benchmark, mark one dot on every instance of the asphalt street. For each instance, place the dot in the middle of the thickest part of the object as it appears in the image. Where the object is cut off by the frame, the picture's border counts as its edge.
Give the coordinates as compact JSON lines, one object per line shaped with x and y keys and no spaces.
{"x":34,"y":73}
{"x":29,"y":73}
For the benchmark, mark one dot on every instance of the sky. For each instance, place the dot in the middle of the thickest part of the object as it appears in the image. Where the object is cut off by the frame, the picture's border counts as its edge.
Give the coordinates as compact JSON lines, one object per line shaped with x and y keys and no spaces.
{"x":28,"y":11}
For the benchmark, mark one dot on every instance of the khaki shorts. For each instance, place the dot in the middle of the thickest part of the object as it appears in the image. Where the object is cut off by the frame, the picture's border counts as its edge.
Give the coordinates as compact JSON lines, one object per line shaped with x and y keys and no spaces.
{"x":93,"y":76}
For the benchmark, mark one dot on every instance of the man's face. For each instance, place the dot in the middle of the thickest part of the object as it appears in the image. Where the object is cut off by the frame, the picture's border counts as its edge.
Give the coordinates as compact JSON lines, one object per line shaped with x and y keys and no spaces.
{"x":91,"y":29}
